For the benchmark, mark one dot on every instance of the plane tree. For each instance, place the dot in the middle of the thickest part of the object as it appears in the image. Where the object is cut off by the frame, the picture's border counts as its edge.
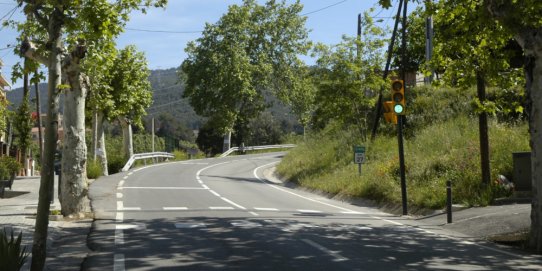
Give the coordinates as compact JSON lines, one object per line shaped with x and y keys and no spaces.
{"x":252,"y":50}
{"x":62,"y":34}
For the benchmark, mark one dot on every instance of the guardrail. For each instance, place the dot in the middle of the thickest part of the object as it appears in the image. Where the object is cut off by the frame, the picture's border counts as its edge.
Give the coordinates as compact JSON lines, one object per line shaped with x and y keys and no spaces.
{"x":145,"y":156}
{"x":253,"y":148}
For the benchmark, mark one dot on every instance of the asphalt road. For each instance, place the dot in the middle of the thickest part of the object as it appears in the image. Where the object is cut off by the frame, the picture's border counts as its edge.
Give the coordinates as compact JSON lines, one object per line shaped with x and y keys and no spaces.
{"x":222,"y":214}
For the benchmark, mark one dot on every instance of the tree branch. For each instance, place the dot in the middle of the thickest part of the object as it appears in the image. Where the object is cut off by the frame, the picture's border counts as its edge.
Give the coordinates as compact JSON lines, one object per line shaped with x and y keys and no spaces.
{"x":29,"y":50}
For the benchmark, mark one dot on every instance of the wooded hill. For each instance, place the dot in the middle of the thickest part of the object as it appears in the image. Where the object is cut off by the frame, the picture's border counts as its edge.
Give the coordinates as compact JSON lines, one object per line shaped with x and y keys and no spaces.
{"x":168,"y":100}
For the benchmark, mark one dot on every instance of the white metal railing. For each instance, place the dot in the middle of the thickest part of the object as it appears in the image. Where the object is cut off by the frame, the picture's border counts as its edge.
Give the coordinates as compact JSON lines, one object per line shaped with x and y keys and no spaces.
{"x":147,"y":155}
{"x":253,"y":148}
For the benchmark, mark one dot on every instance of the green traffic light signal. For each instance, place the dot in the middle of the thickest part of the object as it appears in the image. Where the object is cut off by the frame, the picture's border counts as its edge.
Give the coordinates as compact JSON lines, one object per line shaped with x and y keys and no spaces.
{"x":398,"y":109}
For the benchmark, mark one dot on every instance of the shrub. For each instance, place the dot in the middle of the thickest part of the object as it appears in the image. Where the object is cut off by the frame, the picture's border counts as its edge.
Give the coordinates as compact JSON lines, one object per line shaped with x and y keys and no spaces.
{"x":8,"y":167}
{"x":94,"y":169}
{"x":12,"y":254}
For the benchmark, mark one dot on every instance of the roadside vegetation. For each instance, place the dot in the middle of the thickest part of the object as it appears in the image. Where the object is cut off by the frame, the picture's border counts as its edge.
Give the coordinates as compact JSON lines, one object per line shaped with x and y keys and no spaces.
{"x":444,"y":147}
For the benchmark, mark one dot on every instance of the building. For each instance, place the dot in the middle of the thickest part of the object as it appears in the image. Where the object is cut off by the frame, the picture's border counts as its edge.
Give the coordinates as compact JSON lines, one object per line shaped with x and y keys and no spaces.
{"x":4,"y":86}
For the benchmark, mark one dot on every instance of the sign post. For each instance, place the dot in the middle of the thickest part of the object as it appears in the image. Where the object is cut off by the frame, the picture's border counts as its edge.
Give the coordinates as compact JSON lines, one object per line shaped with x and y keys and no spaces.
{"x":359,"y":156}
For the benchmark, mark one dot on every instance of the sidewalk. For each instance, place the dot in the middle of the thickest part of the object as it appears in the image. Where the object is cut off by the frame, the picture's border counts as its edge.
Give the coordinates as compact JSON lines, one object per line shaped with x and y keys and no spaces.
{"x":66,"y":240}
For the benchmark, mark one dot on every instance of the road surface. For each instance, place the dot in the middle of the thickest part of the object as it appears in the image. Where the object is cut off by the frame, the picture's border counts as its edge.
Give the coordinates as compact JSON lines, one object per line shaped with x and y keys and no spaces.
{"x":222,"y":214}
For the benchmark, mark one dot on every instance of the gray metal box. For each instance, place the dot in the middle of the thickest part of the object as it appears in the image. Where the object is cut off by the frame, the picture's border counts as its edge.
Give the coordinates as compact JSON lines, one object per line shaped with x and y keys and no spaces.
{"x":522,"y":171}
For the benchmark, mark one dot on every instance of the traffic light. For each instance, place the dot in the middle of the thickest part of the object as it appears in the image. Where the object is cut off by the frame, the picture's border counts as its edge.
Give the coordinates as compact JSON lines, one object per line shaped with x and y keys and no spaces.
{"x":389,"y":115}
{"x":398,"y":96}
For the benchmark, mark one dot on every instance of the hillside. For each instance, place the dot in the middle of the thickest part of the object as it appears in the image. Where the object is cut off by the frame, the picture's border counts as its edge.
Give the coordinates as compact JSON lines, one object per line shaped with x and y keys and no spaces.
{"x":167,"y":96}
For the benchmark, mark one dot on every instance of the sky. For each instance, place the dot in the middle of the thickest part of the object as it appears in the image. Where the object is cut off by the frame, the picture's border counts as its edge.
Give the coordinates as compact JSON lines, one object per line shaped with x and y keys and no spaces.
{"x":162,"y":34}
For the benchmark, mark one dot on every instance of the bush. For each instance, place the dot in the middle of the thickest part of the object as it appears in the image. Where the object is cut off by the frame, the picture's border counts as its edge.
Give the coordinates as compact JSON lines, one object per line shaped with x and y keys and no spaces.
{"x":12,"y":254}
{"x":8,"y":167}
{"x":94,"y":169}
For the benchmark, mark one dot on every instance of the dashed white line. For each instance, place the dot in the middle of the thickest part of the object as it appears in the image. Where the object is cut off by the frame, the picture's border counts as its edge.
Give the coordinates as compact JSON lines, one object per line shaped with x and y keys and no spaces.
{"x":215,"y":193}
{"x":119,"y":237}
{"x":254,"y":213}
{"x":119,"y":217}
{"x":119,"y":195}
{"x":164,"y":188}
{"x":334,"y":254}
{"x":120,"y":205}
{"x":221,"y":208}
{"x":121,"y":183}
{"x":189,"y":225}
{"x":266,"y":209}
{"x":175,"y":208}
{"x":118,"y":263}
{"x":308,"y":211}
{"x":233,"y":203}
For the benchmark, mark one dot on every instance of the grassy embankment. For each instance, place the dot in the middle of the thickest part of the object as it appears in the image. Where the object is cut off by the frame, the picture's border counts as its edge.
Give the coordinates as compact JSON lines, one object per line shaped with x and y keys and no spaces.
{"x":441,"y":144}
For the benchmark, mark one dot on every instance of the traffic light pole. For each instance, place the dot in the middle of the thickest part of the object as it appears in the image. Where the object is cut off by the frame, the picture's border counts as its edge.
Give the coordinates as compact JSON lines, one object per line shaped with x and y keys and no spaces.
{"x":402,"y":163}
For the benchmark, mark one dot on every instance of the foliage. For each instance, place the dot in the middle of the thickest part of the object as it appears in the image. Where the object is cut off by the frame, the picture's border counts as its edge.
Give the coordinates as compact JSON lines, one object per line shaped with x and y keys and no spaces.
{"x":252,"y":49}
{"x":142,"y":144}
{"x":347,"y":77}
{"x":131,"y":91}
{"x":209,"y":140}
{"x":23,"y":124}
{"x":168,"y":126}
{"x":8,"y":167}
{"x":442,"y":144}
{"x":3,"y":112}
{"x":12,"y":254}
{"x":94,"y":169}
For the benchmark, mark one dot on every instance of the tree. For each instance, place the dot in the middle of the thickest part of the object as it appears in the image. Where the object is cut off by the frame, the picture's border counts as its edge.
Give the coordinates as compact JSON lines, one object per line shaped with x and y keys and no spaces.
{"x":251,"y":50}
{"x":522,"y":18}
{"x":348,"y":76}
{"x":131,"y":92}
{"x":85,"y":25}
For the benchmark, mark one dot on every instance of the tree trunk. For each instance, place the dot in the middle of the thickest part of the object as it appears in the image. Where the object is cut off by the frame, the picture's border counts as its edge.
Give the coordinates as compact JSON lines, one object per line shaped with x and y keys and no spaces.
{"x":483,"y":131}
{"x":24,"y":147}
{"x":94,"y":139}
{"x":38,"y":110}
{"x":101,"y":152}
{"x":127,"y":137}
{"x":51,"y":126}
{"x":74,"y":185}
{"x":533,"y":70}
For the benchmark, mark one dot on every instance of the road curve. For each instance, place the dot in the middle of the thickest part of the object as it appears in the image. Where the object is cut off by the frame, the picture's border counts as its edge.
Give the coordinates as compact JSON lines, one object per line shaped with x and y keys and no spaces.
{"x":222,"y":214}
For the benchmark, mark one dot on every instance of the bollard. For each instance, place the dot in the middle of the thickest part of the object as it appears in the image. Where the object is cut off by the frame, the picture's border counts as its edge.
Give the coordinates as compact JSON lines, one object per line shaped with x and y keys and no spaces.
{"x":449,"y":201}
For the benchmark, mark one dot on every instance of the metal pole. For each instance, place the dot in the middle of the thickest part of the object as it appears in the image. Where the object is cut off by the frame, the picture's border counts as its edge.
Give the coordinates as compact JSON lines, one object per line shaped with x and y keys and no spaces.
{"x":449,"y":201}
{"x":359,"y":169}
{"x":402,"y":163}
{"x":152,"y":132}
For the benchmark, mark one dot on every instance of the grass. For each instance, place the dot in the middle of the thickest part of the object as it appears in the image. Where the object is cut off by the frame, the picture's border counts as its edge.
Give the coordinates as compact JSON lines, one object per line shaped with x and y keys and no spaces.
{"x":447,"y":150}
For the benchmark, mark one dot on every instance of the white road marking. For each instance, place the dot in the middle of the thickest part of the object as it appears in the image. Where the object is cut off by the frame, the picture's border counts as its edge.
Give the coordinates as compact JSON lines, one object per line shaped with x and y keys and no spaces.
{"x":266,"y":209}
{"x":334,"y":254}
{"x":118,"y":262}
{"x":164,"y":188}
{"x":352,"y":212}
{"x":131,"y":209}
{"x":119,"y":195}
{"x":308,"y":211}
{"x":120,"y":205}
{"x":233,"y":203}
{"x":221,"y":208}
{"x":119,"y":217}
{"x":389,"y":221}
{"x":130,"y":173}
{"x":119,"y":237}
{"x":214,"y":193}
{"x":255,"y":173}
{"x":136,"y":226}
{"x":175,"y":208}
{"x":254,"y":214}
{"x":121,"y":183}
{"x":205,"y":187}
{"x":189,"y":225}
{"x":125,"y":177}
{"x":245,"y":224}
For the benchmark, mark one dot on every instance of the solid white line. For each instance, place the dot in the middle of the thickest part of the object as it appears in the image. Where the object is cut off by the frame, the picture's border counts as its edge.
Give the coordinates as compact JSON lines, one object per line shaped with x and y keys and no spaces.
{"x":389,"y":221}
{"x":119,"y":195}
{"x":119,"y":237}
{"x":205,"y":187}
{"x":164,"y":188}
{"x":118,"y":262}
{"x":221,"y":208}
{"x":233,"y":203}
{"x":266,"y":209}
{"x":295,"y":194}
{"x":352,"y":212}
{"x":175,"y":208}
{"x":214,"y":193}
{"x":119,"y":217}
{"x":254,"y":214}
{"x":338,"y":258}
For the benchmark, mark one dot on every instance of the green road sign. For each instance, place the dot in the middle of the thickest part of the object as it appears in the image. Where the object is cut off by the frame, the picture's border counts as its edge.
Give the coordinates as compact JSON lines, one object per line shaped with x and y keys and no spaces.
{"x":359,"y":154}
